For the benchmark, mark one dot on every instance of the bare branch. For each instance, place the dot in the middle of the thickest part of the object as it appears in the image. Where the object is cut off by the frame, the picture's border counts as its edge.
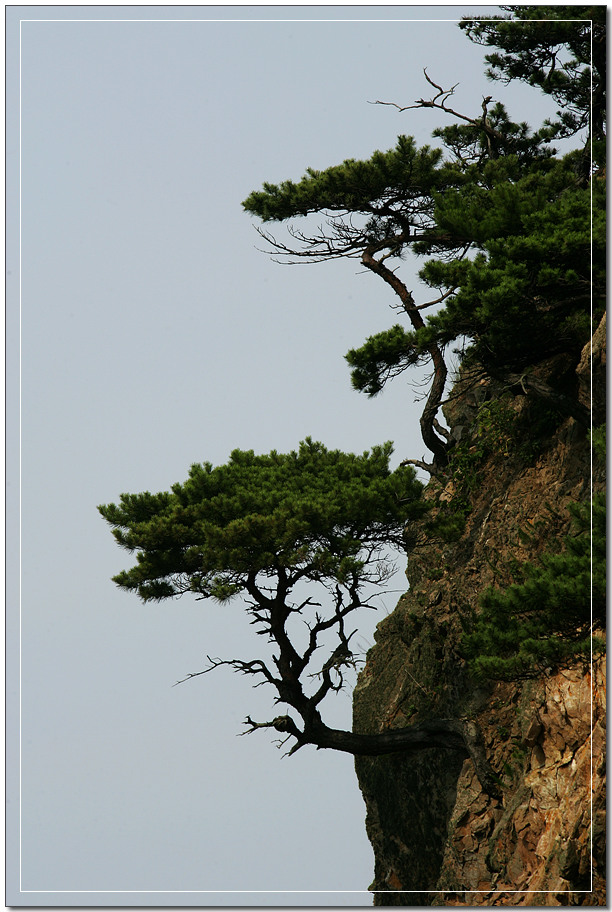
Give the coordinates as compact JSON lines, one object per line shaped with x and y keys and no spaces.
{"x":279,"y":724}
{"x":565,"y":404}
{"x":421,"y":103}
{"x":336,"y":620}
{"x":450,"y":734}
{"x":257,"y":666}
{"x":297,"y":609}
{"x":421,"y":464}
{"x":345,"y":241}
{"x":439,"y":300}
{"x":439,"y":102}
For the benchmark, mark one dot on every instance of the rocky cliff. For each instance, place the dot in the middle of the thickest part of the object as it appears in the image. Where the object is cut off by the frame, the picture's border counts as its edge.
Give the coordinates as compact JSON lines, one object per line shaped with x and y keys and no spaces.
{"x":438,"y":838}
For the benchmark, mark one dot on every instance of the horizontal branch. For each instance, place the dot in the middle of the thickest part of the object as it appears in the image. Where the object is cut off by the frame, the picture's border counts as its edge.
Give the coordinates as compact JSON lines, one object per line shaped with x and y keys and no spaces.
{"x":449,"y":734}
{"x":428,"y":467}
{"x":461,"y":735}
{"x":283,"y":724}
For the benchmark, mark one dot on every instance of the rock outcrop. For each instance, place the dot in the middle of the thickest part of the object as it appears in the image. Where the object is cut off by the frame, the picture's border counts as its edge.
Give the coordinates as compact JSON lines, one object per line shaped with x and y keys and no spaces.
{"x":438,"y":839}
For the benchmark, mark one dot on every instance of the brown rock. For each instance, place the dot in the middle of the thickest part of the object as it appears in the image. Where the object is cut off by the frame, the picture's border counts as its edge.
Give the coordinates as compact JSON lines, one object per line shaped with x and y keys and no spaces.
{"x":431,"y":825}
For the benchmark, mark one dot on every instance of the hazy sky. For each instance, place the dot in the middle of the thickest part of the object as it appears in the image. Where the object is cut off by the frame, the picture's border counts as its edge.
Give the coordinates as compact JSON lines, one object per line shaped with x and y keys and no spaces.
{"x":150,"y":333}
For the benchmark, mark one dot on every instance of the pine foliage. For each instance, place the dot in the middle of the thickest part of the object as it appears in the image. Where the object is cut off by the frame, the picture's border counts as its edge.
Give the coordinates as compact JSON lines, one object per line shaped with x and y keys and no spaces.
{"x":313,"y":513}
{"x":527,"y":292}
{"x":381,"y":357}
{"x":382,"y":185}
{"x":549,"y":615}
{"x":510,"y":239}
{"x":561,"y":50}
{"x":511,"y":236}
{"x":555,"y":610}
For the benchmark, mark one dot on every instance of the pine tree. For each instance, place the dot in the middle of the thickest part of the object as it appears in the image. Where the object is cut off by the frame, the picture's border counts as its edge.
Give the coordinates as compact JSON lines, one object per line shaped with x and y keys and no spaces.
{"x":315,"y":515}
{"x":512,"y":241}
{"x":265,"y":526}
{"x":513,"y":236}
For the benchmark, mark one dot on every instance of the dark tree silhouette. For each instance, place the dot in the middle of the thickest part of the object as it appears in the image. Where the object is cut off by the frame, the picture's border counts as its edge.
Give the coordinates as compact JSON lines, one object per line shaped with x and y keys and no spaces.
{"x":301,"y":537}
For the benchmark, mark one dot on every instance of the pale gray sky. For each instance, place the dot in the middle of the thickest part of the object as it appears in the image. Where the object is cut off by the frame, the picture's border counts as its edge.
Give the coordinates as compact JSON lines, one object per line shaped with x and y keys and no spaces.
{"x":151,"y":334}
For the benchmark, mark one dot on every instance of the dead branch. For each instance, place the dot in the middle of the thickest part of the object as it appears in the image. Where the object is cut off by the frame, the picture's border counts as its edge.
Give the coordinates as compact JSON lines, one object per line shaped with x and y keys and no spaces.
{"x":439,"y":102}
{"x":257,"y":666}
{"x":428,"y":467}
{"x":434,"y":102}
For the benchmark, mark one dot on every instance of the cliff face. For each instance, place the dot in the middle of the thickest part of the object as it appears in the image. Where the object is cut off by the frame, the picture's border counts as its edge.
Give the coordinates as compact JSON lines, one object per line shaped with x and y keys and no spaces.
{"x":438,"y":839}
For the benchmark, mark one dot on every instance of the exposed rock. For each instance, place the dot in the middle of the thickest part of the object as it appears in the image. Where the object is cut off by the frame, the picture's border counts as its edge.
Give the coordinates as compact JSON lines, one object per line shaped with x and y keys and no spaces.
{"x":595,"y":354}
{"x":438,"y":838}
{"x":539,"y":850}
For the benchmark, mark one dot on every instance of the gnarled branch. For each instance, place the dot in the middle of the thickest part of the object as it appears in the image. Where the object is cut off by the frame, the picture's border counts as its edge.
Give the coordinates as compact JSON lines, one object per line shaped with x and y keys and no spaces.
{"x":433,"y":442}
{"x":462,"y":735}
{"x":528,"y":383}
{"x":439,"y":102}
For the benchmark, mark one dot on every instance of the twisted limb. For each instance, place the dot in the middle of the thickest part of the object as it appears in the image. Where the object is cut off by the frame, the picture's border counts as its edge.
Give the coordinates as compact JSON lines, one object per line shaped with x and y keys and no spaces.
{"x":461,"y":735}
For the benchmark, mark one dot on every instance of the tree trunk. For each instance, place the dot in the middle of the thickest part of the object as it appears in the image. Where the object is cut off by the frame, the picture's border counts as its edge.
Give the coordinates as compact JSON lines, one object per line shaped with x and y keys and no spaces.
{"x":450,"y":734}
{"x":437,"y":446}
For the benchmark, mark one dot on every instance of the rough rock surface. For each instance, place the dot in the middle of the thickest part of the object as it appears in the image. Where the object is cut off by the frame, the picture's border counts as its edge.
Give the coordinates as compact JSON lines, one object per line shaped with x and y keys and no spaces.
{"x":535,"y":849}
{"x":438,"y":839}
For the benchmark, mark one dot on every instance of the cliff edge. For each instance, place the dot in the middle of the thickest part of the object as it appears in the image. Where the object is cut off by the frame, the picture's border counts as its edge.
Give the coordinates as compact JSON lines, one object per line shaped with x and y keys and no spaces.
{"x":438,"y":839}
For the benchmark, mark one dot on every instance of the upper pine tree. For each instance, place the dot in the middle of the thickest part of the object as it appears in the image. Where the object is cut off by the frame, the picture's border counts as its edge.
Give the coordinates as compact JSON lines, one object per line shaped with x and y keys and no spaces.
{"x":511,"y":234}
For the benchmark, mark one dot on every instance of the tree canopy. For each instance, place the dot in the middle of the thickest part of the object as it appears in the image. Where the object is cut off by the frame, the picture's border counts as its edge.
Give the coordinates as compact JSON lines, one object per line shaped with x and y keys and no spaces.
{"x":261,"y":526}
{"x":312,"y":514}
{"x":558,"y":49}
{"x":511,"y":235}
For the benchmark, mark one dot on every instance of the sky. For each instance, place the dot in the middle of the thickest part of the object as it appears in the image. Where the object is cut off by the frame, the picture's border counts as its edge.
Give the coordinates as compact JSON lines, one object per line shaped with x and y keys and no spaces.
{"x":145,"y":332}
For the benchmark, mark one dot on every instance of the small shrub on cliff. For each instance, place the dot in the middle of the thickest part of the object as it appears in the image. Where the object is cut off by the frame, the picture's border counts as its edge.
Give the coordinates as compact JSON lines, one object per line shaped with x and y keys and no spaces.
{"x":548,"y":616}
{"x":493,"y":433}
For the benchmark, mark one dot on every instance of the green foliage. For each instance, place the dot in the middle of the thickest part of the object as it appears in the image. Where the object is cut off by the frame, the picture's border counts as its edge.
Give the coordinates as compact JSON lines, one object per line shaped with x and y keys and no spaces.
{"x":558,"y":49}
{"x":448,"y":525}
{"x":538,"y":266}
{"x":516,"y":244}
{"x":314,"y":514}
{"x":546,"y":618}
{"x":526,"y":295}
{"x":493,"y":433}
{"x":471,"y":146}
{"x":380,"y":186}
{"x":381,"y":357}
{"x":598,"y":442}
{"x":516,"y":236}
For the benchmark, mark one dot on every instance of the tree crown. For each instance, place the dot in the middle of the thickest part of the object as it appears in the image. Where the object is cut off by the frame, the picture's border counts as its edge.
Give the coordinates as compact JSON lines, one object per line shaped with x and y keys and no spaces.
{"x":314,"y":514}
{"x":558,"y":49}
{"x":515,"y":236}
